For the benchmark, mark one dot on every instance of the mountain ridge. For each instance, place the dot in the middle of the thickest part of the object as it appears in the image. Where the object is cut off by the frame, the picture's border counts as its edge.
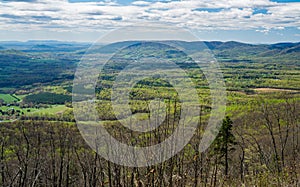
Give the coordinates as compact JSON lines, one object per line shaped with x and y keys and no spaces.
{"x":231,"y":48}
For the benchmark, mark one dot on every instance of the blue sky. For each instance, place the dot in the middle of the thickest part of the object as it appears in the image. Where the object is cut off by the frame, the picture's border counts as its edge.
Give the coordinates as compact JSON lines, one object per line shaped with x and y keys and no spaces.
{"x":252,"y":21}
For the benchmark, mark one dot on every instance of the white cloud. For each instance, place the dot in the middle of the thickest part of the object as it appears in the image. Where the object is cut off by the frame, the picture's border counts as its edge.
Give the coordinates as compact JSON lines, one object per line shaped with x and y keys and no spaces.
{"x":141,"y":3}
{"x":265,"y":31}
{"x":225,"y":14}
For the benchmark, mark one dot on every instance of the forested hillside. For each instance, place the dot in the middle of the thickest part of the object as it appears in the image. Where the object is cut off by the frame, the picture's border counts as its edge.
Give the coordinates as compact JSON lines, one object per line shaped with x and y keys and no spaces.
{"x":258,"y":143}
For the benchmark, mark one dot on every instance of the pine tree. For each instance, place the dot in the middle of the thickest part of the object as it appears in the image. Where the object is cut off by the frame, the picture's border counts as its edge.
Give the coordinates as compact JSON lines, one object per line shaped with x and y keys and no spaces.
{"x":224,"y":142}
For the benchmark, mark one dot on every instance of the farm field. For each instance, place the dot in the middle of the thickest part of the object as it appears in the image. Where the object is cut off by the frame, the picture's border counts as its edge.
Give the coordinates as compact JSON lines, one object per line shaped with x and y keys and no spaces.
{"x":8,"y":98}
{"x":53,"y":109}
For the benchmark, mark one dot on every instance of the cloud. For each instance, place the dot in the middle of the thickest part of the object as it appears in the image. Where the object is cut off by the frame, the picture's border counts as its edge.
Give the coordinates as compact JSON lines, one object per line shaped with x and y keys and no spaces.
{"x":265,"y":31}
{"x":260,"y":15}
{"x":141,"y":3}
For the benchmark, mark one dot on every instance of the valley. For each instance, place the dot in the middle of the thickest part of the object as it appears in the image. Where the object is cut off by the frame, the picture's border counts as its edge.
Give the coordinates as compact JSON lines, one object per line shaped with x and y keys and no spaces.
{"x":261,"y":131}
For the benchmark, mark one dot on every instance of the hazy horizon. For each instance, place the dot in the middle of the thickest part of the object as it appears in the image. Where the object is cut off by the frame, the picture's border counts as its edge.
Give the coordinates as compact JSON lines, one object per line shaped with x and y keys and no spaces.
{"x":91,"y":42}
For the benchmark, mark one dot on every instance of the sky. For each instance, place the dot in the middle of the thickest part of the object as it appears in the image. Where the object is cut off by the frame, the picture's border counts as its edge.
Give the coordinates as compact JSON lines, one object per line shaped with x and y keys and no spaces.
{"x":251,"y":21}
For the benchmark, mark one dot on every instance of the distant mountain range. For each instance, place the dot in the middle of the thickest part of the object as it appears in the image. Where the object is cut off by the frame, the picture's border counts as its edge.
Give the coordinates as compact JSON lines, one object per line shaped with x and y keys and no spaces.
{"x":230,"y":48}
{"x":226,"y":51}
{"x":43,"y":45}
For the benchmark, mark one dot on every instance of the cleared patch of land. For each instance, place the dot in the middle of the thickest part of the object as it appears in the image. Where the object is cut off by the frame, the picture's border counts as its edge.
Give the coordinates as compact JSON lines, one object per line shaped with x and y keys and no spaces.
{"x":274,"y":90}
{"x":54,"y":109}
{"x":8,"y":98}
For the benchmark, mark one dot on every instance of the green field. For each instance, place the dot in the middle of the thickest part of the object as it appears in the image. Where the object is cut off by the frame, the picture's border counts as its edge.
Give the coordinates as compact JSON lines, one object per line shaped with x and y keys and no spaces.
{"x":54,"y":109}
{"x":8,"y":98}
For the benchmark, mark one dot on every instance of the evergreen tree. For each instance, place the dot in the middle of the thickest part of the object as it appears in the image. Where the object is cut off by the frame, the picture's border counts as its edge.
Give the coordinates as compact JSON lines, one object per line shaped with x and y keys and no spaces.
{"x":224,"y":142}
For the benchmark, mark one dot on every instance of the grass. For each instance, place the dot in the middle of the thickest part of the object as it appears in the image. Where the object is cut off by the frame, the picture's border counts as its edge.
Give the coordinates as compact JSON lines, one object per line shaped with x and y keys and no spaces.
{"x":8,"y":98}
{"x":54,"y":109}
{"x":22,"y":96}
{"x":24,"y":110}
